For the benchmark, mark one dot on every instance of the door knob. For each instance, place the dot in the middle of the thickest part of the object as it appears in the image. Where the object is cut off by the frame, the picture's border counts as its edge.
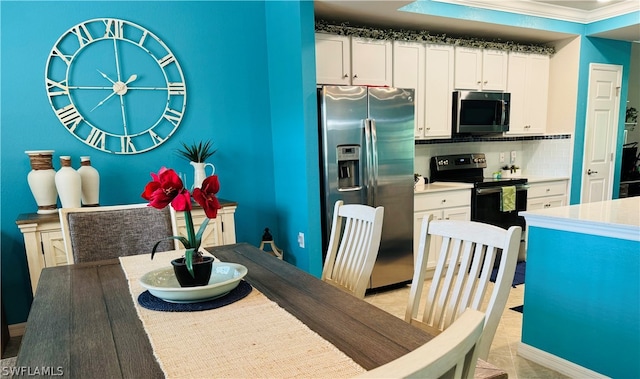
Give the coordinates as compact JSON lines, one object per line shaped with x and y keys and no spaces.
{"x":589,"y":172}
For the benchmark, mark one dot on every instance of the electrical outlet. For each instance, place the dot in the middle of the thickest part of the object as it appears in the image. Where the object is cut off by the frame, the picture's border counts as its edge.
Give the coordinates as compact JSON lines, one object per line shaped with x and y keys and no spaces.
{"x":501,"y":157}
{"x":513,"y":156}
{"x":301,"y":239}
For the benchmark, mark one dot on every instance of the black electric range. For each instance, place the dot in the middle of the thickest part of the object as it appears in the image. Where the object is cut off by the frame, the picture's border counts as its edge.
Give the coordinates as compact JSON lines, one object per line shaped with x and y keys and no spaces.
{"x":486,"y":193}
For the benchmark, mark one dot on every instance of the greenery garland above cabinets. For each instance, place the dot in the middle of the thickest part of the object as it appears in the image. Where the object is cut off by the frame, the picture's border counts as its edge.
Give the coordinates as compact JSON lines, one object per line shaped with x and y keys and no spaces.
{"x":425,"y":36}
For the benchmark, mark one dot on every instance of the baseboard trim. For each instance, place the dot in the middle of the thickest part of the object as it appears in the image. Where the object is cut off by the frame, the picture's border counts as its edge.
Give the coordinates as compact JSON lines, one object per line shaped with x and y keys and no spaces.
{"x":556,"y":363}
{"x":16,"y":330}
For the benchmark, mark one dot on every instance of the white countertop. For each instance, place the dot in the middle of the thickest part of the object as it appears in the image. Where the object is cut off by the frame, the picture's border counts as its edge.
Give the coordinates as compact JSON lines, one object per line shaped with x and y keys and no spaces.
{"x":618,"y":218}
{"x":443,"y":186}
{"x":448,"y":186}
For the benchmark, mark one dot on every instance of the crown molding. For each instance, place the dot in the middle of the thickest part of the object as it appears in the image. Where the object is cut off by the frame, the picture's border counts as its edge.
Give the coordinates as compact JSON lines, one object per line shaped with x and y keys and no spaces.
{"x":533,"y":8}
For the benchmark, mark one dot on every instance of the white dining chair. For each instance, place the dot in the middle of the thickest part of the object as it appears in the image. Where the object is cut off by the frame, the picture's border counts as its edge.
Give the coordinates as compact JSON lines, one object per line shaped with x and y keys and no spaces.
{"x":97,"y":233}
{"x":461,"y":280}
{"x":353,"y":246}
{"x":451,"y":354}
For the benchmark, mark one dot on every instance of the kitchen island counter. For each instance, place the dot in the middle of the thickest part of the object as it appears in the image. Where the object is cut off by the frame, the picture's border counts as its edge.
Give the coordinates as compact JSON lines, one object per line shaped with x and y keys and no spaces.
{"x":581,"y":310}
{"x":614,"y":218}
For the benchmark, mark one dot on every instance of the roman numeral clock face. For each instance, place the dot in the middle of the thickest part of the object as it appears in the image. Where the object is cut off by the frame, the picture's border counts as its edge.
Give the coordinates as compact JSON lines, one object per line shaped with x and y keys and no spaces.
{"x":115,"y":86}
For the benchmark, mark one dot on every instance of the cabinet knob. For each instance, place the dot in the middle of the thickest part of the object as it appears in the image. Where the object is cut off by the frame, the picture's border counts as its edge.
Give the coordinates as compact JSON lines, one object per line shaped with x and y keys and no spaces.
{"x":355,"y":76}
{"x":485,"y":82}
{"x":478,"y":82}
{"x":345,"y":76}
{"x":444,"y":200}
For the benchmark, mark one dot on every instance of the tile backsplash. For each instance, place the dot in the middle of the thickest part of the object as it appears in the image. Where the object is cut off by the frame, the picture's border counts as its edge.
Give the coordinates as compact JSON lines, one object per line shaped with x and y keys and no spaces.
{"x":547,"y":157}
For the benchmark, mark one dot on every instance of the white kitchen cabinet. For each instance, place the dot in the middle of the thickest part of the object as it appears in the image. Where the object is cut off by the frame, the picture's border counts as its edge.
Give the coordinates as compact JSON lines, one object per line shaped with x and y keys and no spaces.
{"x":438,"y":91}
{"x":429,"y":70}
{"x":44,"y":245}
{"x":343,"y":60}
{"x":547,"y":194}
{"x":333,"y":59}
{"x":443,"y":205}
{"x":480,"y":69}
{"x":528,"y":83}
{"x":409,"y":72}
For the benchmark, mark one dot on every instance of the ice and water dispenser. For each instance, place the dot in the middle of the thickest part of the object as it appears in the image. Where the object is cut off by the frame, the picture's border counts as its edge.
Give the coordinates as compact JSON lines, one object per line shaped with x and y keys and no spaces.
{"x":348,"y":167}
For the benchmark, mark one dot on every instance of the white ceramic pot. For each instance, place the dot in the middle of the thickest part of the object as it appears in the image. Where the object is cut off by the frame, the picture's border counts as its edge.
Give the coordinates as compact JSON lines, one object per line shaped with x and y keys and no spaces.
{"x":41,"y":180}
{"x":69,"y":184}
{"x":90,"y":183}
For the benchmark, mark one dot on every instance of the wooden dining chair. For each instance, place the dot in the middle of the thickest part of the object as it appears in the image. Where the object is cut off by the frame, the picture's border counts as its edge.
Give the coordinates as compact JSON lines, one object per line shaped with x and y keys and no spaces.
{"x":466,"y":259}
{"x":353,"y":246}
{"x":97,"y":233}
{"x":451,"y":354}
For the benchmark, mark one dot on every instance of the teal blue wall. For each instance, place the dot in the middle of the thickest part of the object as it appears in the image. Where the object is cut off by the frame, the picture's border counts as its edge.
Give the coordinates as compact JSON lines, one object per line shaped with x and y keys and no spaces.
{"x":598,"y":50}
{"x":291,"y":59}
{"x":581,"y":303}
{"x":239,"y":95}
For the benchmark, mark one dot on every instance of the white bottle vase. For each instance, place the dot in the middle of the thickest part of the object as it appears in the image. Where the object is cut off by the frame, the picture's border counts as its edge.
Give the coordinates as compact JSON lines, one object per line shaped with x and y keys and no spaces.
{"x":199,"y":173}
{"x":69,"y":184}
{"x":41,"y":180}
{"x":90,"y":183}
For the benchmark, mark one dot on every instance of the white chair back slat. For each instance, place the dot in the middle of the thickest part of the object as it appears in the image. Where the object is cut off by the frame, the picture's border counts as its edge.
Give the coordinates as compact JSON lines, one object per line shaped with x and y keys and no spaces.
{"x":353,"y":249}
{"x":469,"y":250}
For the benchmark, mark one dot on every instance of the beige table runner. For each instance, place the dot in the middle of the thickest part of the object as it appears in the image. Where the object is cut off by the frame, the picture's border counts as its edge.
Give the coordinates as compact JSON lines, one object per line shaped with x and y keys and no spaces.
{"x":251,"y":338}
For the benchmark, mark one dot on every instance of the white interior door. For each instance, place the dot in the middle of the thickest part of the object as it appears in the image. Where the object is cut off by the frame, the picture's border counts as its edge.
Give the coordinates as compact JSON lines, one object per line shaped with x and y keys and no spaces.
{"x":603,"y":104}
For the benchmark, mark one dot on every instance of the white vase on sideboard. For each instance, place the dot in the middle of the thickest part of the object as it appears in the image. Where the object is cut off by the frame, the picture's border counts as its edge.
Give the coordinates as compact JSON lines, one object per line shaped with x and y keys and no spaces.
{"x":90,"y":183}
{"x":69,"y":184}
{"x":41,"y":180}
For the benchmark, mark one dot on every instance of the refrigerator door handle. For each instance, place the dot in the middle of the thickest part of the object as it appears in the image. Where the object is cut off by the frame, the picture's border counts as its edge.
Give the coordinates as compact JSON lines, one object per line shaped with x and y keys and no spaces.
{"x":368,"y":158}
{"x":374,"y":161}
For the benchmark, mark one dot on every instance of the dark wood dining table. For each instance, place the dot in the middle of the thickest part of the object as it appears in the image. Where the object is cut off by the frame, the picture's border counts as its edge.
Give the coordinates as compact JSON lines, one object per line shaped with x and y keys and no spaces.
{"x":83,"y":322}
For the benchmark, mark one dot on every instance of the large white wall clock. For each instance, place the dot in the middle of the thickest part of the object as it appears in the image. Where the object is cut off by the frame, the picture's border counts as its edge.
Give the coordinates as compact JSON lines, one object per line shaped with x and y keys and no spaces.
{"x":115,"y":86}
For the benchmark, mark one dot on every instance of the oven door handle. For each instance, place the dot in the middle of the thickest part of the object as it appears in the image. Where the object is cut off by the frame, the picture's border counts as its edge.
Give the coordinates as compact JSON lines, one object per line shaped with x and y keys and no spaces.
{"x":486,"y":191}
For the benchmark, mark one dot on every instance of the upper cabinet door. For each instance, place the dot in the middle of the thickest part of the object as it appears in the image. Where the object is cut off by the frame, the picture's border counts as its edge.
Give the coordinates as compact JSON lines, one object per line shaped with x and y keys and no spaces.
{"x":439,"y":88}
{"x":528,"y":83}
{"x":480,"y":69}
{"x":468,"y":69}
{"x":371,"y":62}
{"x":333,"y":59}
{"x":494,"y":70}
{"x":408,"y":72}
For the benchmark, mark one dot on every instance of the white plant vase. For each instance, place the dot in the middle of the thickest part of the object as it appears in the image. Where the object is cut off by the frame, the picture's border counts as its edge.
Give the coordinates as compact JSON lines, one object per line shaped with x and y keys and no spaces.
{"x":199,"y":173}
{"x":69,"y":184}
{"x":90,"y":183}
{"x":41,"y":180}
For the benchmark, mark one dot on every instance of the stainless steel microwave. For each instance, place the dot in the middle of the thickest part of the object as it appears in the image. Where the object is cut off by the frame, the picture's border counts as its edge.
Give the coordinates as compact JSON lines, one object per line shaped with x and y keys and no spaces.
{"x":480,"y":113}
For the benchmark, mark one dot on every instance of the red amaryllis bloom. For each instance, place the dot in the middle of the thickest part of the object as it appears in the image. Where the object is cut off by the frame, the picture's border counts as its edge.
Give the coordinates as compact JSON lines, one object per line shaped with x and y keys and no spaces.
{"x":166,"y":188}
{"x":206,"y":196}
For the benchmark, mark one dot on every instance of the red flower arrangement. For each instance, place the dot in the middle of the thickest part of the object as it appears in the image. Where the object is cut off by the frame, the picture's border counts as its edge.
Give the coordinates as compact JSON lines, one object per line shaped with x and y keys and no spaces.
{"x":167,"y":188}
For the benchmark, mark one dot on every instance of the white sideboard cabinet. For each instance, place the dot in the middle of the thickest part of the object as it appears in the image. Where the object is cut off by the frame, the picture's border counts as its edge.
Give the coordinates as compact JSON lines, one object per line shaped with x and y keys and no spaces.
{"x":44,"y":245}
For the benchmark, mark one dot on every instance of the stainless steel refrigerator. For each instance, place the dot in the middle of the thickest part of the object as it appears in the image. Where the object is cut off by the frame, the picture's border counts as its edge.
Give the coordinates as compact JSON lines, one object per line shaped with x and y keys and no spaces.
{"x":367,"y":151}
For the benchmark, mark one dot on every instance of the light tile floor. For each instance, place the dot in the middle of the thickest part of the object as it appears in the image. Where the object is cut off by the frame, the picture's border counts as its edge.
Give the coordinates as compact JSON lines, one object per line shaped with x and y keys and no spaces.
{"x":503,"y":351}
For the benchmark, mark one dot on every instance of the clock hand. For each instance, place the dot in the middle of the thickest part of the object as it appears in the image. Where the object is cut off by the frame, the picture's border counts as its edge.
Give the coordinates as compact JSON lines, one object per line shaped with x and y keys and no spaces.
{"x":106,"y":77}
{"x":102,"y":102}
{"x":124,"y":117}
{"x":131,"y":78}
